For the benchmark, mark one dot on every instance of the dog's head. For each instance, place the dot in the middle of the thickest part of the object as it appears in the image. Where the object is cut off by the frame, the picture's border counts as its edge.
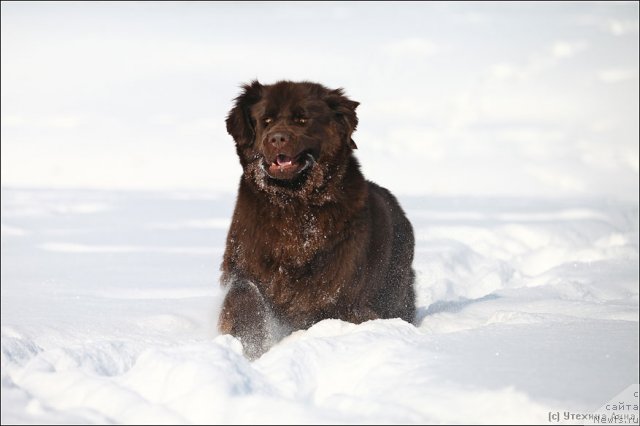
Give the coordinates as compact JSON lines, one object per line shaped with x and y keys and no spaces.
{"x":292,"y":137}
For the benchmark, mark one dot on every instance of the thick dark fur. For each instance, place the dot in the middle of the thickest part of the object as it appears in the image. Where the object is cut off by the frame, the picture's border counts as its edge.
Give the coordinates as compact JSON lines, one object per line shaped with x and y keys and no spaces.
{"x":310,"y":238}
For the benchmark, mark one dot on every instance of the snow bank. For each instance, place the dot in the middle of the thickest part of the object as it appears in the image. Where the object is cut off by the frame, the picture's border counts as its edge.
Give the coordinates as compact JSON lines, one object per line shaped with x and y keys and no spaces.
{"x":109,"y":303}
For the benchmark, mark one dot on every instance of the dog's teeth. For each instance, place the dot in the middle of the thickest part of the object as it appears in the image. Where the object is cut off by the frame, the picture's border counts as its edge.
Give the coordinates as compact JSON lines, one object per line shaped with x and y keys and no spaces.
{"x":283,"y":160}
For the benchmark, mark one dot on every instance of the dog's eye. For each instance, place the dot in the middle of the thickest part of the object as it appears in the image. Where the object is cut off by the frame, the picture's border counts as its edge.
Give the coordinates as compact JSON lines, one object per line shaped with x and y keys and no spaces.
{"x":300,"y":120}
{"x":267,"y":121}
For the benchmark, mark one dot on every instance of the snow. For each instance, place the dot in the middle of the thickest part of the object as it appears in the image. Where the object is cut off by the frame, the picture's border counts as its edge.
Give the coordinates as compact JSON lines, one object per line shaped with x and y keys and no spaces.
{"x":513,"y":150}
{"x":526,"y":306}
{"x":470,"y":98}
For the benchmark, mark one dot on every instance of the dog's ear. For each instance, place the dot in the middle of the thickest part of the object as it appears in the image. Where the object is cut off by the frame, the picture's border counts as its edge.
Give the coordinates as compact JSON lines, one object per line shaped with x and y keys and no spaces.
{"x":345,"y":110}
{"x":240,"y":125}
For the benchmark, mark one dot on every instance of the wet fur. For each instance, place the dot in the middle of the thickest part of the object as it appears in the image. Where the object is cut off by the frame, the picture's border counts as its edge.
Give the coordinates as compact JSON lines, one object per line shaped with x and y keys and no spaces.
{"x":324,"y":244}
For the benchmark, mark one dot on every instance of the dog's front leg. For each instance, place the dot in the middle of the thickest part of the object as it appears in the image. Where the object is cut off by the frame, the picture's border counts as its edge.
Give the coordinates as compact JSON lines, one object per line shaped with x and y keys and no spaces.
{"x":245,"y":316}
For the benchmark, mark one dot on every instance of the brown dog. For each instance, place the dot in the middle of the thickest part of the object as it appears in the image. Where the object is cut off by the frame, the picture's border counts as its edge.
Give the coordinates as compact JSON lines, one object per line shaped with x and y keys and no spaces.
{"x":310,"y":238}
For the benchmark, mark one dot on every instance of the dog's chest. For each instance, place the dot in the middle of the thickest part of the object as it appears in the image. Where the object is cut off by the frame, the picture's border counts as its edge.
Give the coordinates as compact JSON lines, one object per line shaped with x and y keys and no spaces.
{"x":293,"y":241}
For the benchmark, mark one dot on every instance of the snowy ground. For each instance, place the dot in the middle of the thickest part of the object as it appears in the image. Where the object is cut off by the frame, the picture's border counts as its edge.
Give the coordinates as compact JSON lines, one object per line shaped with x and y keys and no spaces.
{"x":109,"y":303}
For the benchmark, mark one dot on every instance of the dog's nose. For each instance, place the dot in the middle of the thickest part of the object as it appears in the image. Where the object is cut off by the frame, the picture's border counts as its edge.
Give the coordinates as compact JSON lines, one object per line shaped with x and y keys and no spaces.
{"x":279,"y":138}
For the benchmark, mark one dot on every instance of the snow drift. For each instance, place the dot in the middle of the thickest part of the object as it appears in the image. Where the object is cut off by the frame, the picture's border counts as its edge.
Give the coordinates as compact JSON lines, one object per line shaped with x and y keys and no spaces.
{"x":109,"y":304}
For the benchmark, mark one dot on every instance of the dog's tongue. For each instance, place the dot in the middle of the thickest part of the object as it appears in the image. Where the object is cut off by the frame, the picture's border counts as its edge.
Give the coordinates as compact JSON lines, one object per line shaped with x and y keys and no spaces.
{"x":283,"y":160}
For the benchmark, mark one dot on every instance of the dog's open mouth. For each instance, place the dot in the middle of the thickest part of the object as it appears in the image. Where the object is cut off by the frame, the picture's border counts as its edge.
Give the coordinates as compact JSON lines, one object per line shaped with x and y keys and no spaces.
{"x":285,"y":167}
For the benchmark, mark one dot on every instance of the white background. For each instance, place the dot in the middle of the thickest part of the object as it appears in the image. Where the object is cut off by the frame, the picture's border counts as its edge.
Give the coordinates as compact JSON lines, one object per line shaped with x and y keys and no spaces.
{"x":456,"y":98}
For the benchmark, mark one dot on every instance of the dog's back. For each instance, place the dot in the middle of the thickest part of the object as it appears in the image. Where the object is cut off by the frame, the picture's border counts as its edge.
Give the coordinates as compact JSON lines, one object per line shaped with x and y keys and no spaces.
{"x":396,"y":293}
